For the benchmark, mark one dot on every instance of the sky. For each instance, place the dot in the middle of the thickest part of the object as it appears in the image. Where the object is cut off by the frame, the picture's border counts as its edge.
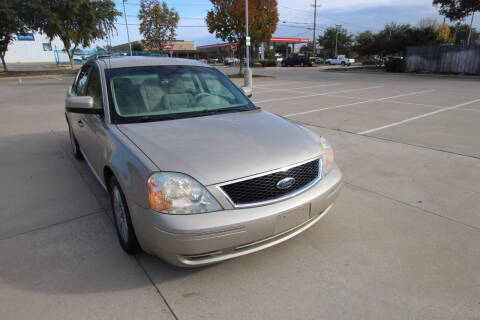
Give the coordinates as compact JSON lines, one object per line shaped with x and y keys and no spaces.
{"x":295,"y":17}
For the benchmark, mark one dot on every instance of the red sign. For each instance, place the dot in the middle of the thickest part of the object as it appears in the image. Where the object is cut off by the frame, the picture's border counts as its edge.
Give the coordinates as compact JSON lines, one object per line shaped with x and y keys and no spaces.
{"x":168,"y":46}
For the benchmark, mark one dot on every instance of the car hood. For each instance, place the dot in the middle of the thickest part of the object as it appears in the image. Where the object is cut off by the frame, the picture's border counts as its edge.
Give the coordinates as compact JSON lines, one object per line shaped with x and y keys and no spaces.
{"x":223,"y":147}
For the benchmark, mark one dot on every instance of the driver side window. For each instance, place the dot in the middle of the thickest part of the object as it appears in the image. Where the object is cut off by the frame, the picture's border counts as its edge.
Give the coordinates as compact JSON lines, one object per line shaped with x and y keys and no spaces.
{"x":82,"y":81}
{"x":94,"y":88}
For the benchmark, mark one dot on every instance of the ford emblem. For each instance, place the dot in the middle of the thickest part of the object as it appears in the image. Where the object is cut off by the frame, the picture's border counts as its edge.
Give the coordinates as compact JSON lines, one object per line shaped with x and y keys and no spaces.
{"x":285,"y":183}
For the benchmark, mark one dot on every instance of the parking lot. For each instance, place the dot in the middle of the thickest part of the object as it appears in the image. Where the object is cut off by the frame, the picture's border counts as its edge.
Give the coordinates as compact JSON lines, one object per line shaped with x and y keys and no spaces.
{"x":402,"y":241}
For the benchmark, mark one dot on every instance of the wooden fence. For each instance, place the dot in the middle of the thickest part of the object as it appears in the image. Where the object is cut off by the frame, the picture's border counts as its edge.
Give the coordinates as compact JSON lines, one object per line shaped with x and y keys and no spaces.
{"x":444,"y":59}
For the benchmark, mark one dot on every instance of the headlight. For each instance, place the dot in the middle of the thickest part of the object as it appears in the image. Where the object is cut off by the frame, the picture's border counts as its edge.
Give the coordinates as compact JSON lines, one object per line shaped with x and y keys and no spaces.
{"x":177,"y":193}
{"x":327,"y":156}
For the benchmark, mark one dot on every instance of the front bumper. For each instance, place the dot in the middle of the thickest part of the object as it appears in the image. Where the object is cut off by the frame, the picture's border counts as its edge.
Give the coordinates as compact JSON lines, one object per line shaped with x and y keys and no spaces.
{"x":200,"y":239}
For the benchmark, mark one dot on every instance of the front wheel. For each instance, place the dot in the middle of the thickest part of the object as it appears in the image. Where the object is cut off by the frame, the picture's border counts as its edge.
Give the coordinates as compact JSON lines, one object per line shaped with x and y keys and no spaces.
{"x":122,"y":219}
{"x":343,"y":63}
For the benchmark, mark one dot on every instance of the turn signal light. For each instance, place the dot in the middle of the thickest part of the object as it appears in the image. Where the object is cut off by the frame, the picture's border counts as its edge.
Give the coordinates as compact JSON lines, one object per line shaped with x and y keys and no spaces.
{"x":157,"y":200}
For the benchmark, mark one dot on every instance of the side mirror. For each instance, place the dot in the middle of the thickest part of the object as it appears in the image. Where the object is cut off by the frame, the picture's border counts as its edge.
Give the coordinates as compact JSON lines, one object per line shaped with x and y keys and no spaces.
{"x":81,"y":104}
{"x":247,"y":91}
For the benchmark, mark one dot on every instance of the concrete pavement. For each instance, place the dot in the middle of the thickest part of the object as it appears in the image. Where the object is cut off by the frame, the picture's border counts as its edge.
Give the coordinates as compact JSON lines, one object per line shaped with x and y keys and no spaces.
{"x":401,"y":242}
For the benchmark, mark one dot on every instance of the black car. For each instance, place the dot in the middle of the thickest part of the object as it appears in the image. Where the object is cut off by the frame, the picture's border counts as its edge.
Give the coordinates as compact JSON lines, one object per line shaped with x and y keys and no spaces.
{"x":296,"y":60}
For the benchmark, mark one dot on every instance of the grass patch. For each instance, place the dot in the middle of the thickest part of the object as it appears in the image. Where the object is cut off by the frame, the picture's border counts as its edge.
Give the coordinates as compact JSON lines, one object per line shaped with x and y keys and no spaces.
{"x":356,"y":69}
{"x":241,"y":75}
{"x":37,"y":73}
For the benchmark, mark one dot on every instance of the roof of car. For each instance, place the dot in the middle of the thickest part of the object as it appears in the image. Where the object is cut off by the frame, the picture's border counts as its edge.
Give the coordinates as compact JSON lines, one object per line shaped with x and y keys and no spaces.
{"x":137,"y":61}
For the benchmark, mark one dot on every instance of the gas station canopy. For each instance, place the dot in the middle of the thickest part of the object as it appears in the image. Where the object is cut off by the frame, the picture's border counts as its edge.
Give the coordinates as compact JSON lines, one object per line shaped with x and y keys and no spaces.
{"x":273,"y":39}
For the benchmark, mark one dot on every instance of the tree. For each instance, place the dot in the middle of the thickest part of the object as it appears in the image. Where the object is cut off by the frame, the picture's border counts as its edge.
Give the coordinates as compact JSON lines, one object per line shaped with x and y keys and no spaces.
{"x":282,"y":49}
{"x":11,"y":22}
{"x":393,"y":39}
{"x":461,"y":32}
{"x":227,"y":20}
{"x":75,"y":22}
{"x":158,"y":23}
{"x":329,"y":37}
{"x":444,"y":34}
{"x":137,"y":46}
{"x":269,"y":54}
{"x":457,"y":9}
{"x":365,"y":43}
{"x":308,"y":49}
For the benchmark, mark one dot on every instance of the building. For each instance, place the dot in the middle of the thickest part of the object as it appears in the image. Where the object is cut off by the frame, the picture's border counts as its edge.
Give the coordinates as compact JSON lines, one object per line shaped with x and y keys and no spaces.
{"x":32,"y":47}
{"x":176,"y":46}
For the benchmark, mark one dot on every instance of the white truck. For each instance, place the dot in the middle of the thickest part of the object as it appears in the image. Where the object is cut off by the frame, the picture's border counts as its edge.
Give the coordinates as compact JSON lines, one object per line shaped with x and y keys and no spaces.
{"x":341,"y":59}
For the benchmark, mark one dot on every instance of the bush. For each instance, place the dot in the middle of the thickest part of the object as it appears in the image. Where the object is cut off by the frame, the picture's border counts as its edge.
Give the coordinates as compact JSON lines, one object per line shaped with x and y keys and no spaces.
{"x":395,"y":65}
{"x":369,"y":63}
{"x":263,"y":63}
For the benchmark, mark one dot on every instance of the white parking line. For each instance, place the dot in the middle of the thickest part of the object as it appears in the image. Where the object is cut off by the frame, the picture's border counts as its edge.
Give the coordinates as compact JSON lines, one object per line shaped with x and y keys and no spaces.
{"x":317,"y":94}
{"x":391,"y":101}
{"x":359,"y":102}
{"x":277,"y":84}
{"x":60,"y":79}
{"x":419,"y":117}
{"x":296,"y":89}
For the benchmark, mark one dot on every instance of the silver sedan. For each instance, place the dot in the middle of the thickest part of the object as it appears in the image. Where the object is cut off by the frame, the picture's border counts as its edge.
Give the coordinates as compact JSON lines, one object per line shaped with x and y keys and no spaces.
{"x":196,"y":172}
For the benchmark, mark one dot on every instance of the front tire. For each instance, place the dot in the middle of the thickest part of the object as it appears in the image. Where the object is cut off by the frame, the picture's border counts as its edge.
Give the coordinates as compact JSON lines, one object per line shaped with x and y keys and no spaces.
{"x":343,"y":63}
{"x":121,"y":216}
{"x":74,"y":144}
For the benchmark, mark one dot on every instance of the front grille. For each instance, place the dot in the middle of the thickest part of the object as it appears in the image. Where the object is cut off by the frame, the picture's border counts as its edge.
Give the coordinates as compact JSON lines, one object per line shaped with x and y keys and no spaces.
{"x":264,"y":188}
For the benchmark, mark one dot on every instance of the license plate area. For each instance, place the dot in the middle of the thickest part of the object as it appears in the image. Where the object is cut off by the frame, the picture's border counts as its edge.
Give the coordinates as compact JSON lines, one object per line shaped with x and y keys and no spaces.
{"x":292,"y":218}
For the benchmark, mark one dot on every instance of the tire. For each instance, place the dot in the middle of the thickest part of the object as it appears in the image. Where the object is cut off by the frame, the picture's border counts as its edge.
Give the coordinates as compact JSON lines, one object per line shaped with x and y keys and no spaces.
{"x":328,"y":63}
{"x":343,"y":63}
{"x":74,"y":144}
{"x":122,"y":220}
{"x":349,"y":64}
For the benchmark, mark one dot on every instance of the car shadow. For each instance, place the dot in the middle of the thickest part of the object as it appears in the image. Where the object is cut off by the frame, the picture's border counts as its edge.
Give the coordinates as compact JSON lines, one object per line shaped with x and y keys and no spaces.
{"x":64,"y":241}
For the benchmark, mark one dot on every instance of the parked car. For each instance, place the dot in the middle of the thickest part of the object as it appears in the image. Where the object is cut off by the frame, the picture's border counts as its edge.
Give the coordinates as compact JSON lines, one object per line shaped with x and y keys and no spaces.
{"x":230,"y":60}
{"x":341,"y":60}
{"x":316,"y":59}
{"x":196,"y":172}
{"x":278,"y":57}
{"x":296,"y":60}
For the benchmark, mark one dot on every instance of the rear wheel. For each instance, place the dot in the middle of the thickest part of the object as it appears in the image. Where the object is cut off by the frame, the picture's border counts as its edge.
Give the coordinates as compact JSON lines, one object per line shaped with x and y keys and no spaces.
{"x":74,"y":144}
{"x":122,"y":219}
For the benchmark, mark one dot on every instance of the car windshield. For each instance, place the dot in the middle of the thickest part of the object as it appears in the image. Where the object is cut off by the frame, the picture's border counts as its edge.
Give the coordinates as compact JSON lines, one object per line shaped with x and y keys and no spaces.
{"x":167,"y":92}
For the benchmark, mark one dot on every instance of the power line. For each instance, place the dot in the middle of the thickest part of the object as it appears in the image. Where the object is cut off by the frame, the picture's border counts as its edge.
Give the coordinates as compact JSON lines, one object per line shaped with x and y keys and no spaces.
{"x":137,"y":24}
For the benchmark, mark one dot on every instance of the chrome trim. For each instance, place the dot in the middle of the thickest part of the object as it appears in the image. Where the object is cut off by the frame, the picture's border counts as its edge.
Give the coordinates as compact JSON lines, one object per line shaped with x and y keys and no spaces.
{"x":287,"y":196}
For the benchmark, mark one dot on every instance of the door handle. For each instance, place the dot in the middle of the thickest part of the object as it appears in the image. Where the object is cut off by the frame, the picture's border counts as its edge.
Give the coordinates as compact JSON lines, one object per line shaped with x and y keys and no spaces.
{"x":80,"y":123}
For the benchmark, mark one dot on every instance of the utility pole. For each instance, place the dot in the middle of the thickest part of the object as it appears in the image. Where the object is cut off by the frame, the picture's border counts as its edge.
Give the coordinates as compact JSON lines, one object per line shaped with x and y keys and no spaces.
{"x":470,"y":30}
{"x":126,"y":25}
{"x":338,"y":27}
{"x":315,"y":26}
{"x":248,"y":72}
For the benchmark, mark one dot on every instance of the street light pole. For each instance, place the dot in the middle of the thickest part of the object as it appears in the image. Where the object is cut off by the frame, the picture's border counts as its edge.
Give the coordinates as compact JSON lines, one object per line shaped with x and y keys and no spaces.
{"x":338,"y":26}
{"x":248,"y":72}
{"x":126,"y":25}
{"x":315,"y":26}
{"x":470,"y":30}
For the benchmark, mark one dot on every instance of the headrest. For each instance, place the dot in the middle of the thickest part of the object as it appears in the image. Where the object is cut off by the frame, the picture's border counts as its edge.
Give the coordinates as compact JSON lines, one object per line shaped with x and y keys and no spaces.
{"x":122,"y":84}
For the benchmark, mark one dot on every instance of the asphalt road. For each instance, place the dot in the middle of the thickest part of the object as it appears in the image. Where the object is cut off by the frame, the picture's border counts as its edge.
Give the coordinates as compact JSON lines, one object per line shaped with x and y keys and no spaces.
{"x":400,"y":243}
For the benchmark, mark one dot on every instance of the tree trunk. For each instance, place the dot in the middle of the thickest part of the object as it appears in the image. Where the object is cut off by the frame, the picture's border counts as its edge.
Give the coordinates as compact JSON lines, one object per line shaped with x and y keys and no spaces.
{"x":241,"y":55}
{"x":2,"y":55}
